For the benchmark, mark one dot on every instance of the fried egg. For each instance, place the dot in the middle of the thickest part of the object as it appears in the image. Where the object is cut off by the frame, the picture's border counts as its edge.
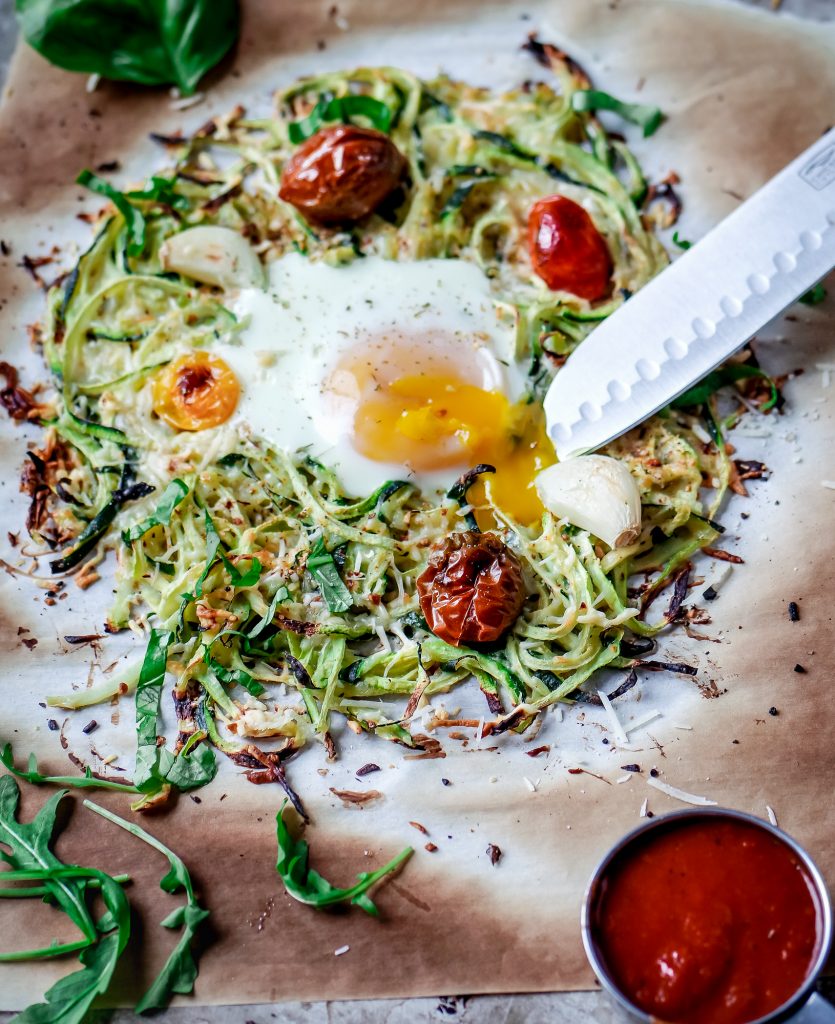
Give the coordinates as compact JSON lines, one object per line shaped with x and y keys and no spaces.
{"x":382,"y":369}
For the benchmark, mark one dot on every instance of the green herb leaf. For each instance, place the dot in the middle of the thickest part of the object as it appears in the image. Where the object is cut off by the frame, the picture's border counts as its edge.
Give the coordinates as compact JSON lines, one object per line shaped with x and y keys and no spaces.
{"x":134,"y":218}
{"x":167,"y":42}
{"x":322,"y":568}
{"x":345,"y":110}
{"x":233,"y":677}
{"x":700,"y":393}
{"x":161,"y":190}
{"x":126,"y":491}
{"x":648,"y":118}
{"x":156,"y":766}
{"x":308,"y":886}
{"x":212,"y":545}
{"x":814,"y":295}
{"x":85,"y":781}
{"x":242,"y":579}
{"x":28,"y":849}
{"x":282,"y":594}
{"x":682,"y":243}
{"x":173,"y":494}
{"x":180,"y":970}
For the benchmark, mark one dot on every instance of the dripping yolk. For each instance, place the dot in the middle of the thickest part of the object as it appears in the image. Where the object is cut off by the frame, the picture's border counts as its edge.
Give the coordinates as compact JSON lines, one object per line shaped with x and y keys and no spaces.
{"x":430,"y":415}
{"x":196,"y":391}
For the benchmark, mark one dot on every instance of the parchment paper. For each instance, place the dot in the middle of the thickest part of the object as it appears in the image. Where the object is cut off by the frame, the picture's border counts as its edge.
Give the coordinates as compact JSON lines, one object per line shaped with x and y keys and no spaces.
{"x":744,"y":93}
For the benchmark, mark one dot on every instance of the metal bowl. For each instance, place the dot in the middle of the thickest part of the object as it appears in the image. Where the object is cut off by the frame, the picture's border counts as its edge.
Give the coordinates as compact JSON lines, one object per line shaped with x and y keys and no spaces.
{"x":811,"y":1007}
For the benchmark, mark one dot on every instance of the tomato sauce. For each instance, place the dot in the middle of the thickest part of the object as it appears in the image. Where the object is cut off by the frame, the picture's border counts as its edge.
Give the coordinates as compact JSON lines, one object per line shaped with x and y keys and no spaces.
{"x":712,"y":921}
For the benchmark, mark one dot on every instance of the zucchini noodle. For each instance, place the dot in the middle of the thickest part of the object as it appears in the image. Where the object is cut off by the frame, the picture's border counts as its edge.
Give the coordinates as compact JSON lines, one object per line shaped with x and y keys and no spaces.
{"x":221,"y":561}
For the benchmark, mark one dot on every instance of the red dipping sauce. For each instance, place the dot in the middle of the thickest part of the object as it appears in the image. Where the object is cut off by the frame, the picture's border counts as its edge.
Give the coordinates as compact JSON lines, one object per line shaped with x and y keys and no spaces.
{"x":708,"y":920}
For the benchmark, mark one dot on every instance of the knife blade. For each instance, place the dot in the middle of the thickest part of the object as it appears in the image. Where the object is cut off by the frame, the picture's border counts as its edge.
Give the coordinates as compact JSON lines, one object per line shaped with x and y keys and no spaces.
{"x":700,"y":309}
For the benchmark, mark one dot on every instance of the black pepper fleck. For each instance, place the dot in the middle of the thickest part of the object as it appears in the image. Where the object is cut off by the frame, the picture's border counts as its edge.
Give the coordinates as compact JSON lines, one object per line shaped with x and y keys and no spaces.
{"x":653,"y":773}
{"x":446,"y":782}
{"x":630,"y":767}
{"x":52,"y":725}
{"x":773,"y":712}
{"x":800,"y":669}
{"x":90,"y":727}
{"x":794,"y":611}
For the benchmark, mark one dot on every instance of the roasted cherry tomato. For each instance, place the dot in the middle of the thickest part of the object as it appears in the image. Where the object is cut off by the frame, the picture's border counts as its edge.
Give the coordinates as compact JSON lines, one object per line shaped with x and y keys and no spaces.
{"x":566,"y":249}
{"x":472,"y":590}
{"x":196,"y":391}
{"x":342,"y":174}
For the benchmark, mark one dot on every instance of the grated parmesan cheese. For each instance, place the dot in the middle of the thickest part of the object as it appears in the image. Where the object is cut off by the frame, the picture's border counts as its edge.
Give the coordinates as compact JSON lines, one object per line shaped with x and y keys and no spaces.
{"x":828,"y":484}
{"x":680,"y":794}
{"x":614,"y":721}
{"x":623,"y":778}
{"x":687,"y":728}
{"x":772,"y":817}
{"x":479,"y":733}
{"x":650,"y":716}
{"x":701,"y":433}
{"x":185,"y":102}
{"x":531,"y":785}
{"x":341,"y":950}
{"x":721,"y":578}
{"x":643,"y":811}
{"x":383,"y":638}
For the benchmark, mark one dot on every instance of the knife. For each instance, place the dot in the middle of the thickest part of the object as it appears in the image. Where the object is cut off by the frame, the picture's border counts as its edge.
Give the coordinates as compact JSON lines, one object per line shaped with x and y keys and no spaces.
{"x":700,"y":309}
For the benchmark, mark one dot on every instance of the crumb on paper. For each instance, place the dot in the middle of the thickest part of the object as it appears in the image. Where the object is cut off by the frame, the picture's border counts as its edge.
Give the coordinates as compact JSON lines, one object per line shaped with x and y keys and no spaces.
{"x":341,"y":950}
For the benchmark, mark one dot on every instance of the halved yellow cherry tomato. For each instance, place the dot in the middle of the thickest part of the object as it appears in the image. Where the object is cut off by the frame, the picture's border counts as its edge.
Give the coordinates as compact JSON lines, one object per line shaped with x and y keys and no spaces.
{"x":196,"y":391}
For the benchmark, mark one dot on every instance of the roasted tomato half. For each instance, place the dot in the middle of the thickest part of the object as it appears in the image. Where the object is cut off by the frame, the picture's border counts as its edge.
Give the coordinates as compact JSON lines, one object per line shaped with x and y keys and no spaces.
{"x":196,"y":391}
{"x":342,"y":174}
{"x":472,"y":589}
{"x":566,"y":249}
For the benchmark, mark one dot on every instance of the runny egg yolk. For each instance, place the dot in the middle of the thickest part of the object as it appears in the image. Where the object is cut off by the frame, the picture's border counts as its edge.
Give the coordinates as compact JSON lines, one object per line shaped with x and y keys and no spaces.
{"x":436,"y":419}
{"x":196,"y":391}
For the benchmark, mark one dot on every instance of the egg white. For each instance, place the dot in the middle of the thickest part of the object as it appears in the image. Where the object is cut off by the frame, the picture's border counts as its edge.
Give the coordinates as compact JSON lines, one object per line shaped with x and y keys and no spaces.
{"x":311,"y":314}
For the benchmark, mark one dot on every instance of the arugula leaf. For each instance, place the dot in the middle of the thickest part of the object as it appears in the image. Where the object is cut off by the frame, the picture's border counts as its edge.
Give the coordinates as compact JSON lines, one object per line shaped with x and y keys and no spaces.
{"x":157,"y":766}
{"x":180,"y":970}
{"x":344,"y":109}
{"x":134,"y":218}
{"x":322,"y":568}
{"x":85,"y":781}
{"x":814,"y":296}
{"x":165,"y":42}
{"x":648,"y":118}
{"x":306,"y":885}
{"x":700,"y":392}
{"x":173,"y":494}
{"x":28,"y":849}
{"x":682,"y":243}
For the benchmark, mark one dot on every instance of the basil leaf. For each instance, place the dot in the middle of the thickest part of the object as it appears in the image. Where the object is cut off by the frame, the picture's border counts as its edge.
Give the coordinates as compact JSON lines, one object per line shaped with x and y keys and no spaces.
{"x":242,"y":579}
{"x":682,"y":243}
{"x":306,"y":885}
{"x":282,"y":594}
{"x":148,"y":692}
{"x":648,"y":118}
{"x":152,"y":42}
{"x":134,"y":219}
{"x":212,"y":545}
{"x":344,"y":109}
{"x":180,"y":970}
{"x":700,"y":393}
{"x":161,"y":190}
{"x":173,"y":494}
{"x":233,"y":676}
{"x":322,"y":568}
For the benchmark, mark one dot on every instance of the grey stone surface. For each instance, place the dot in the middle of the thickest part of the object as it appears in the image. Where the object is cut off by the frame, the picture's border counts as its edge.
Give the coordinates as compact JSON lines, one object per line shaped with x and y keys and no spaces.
{"x":549,"y":1008}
